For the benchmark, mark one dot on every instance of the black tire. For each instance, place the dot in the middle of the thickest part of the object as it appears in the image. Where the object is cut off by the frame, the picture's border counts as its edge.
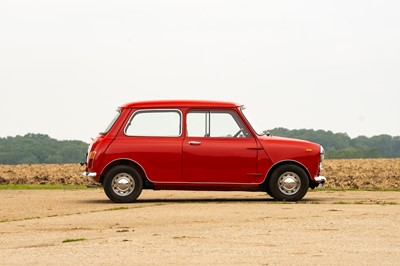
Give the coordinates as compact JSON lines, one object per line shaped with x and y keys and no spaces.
{"x":268,"y":191}
{"x":123,"y":184}
{"x":288,"y":182}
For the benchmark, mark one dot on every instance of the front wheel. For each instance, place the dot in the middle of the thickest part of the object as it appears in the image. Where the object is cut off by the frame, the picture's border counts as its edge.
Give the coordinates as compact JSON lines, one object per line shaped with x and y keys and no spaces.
{"x":123,"y":184}
{"x":288,"y":182}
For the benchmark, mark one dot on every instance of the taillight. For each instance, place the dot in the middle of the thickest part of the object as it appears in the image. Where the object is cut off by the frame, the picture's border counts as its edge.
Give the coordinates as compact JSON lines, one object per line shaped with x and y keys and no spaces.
{"x":91,"y":157}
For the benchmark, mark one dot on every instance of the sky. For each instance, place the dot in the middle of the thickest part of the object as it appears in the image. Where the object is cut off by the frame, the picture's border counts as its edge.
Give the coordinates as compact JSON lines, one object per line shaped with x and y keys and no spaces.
{"x":66,"y":65}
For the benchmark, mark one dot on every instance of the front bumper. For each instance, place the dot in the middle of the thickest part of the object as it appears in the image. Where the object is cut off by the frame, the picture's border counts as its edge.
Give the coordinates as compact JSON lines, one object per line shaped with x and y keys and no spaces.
{"x":90,"y":174}
{"x":320,"y":180}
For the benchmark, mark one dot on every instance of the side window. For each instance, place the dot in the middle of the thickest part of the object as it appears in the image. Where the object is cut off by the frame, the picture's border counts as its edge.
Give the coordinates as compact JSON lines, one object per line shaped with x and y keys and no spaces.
{"x":215,"y":124}
{"x":197,"y":124}
{"x":223,"y":125}
{"x":155,"y":123}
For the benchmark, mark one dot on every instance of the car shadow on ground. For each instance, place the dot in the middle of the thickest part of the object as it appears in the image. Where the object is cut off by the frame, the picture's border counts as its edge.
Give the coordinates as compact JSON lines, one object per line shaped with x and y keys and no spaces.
{"x":201,"y":200}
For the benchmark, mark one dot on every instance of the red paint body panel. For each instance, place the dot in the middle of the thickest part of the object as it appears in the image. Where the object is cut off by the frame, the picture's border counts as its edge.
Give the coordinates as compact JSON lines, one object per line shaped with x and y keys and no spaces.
{"x":198,"y":163}
{"x":160,"y":158}
{"x":285,"y":149}
{"x":220,"y":160}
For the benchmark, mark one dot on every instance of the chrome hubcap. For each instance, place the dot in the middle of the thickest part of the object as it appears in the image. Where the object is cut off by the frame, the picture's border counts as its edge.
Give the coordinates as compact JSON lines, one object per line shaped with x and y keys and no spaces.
{"x":123,"y":184}
{"x":289,"y":183}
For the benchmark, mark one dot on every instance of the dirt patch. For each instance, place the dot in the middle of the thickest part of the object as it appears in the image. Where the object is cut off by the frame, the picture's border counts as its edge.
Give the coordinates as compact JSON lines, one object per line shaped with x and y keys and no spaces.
{"x":199,"y":228}
{"x":43,"y":174}
{"x":363,"y":173}
{"x":375,"y":174}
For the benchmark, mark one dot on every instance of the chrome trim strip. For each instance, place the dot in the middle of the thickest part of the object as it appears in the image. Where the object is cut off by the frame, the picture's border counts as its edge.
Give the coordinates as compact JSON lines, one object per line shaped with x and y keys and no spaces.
{"x":155,"y":110}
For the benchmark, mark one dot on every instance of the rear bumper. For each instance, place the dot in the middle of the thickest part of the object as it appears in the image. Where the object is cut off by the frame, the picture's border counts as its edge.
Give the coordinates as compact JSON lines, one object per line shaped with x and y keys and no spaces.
{"x":320,"y":180}
{"x":90,"y":174}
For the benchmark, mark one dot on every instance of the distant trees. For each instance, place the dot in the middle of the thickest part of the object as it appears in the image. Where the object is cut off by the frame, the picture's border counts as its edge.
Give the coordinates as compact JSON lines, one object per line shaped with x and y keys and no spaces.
{"x":40,"y":148}
{"x":341,"y":146}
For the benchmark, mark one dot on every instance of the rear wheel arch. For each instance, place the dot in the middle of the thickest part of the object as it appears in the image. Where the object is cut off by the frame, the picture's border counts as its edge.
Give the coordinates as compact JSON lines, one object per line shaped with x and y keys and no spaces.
{"x":129,"y":163}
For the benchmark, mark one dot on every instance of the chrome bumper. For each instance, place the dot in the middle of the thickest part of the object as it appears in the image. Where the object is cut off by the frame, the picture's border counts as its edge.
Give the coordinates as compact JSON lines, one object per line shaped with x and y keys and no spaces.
{"x":90,"y":174}
{"x":321,"y":180}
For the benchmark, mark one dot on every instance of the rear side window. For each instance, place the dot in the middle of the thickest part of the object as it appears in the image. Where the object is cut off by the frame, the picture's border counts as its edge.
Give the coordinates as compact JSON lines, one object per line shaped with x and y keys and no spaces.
{"x":112,"y":122}
{"x":155,"y":123}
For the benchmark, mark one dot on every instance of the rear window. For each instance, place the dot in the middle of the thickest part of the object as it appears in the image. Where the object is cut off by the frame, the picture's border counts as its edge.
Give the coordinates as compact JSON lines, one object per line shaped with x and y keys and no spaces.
{"x":112,"y":122}
{"x":155,"y":123}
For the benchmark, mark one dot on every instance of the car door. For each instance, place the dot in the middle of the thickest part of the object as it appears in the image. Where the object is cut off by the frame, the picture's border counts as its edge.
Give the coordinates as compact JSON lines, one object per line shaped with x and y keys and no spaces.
{"x":153,"y":139}
{"x":218,"y":148}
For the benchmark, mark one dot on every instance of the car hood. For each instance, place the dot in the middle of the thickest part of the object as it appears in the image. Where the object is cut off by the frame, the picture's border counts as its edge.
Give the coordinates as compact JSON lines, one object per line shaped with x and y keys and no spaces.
{"x":280,"y":148}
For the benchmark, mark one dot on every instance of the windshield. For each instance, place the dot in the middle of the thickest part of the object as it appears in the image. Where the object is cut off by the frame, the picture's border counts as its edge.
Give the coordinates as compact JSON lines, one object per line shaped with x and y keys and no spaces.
{"x":112,"y":122}
{"x":253,"y":122}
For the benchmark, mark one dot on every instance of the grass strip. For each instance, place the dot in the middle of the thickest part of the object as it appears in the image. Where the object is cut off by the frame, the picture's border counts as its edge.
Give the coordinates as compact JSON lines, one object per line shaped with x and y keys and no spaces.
{"x":74,"y":240}
{"x":117,"y":208}
{"x":41,"y":187}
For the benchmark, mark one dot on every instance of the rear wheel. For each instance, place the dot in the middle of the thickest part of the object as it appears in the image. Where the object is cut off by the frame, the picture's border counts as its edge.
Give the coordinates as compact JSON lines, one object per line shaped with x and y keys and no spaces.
{"x":123,"y":184}
{"x":288,"y":182}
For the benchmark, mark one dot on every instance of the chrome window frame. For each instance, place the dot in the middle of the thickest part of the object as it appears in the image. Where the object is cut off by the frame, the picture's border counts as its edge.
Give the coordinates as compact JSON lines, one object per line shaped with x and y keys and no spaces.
{"x":158,"y":111}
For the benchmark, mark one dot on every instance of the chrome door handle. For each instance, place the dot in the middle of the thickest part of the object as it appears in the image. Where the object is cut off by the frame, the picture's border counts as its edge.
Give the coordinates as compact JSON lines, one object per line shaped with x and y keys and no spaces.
{"x":194,"y":143}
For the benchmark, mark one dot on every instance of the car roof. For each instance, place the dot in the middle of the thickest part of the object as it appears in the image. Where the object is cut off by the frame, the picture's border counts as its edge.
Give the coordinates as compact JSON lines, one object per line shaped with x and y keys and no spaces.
{"x":180,"y":103}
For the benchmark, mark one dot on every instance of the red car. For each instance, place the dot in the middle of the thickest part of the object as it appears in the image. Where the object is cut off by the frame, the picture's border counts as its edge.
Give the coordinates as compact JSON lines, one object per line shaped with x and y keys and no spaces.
{"x":198,"y":145}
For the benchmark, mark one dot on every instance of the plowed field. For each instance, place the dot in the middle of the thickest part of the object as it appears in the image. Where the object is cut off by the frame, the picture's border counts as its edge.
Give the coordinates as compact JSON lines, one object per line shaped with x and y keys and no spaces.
{"x":367,"y":174}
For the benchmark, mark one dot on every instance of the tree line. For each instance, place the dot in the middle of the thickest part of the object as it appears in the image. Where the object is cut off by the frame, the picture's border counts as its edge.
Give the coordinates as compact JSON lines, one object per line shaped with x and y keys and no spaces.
{"x":40,"y":149}
{"x":341,"y":146}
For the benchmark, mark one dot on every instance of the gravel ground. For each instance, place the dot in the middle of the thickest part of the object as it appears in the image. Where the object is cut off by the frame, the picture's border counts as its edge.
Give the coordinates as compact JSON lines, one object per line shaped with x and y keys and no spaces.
{"x":48,"y":227}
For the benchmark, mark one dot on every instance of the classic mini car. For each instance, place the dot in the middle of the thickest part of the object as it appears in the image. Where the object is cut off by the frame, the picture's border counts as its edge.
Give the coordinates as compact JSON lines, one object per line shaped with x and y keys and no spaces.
{"x":198,"y":145}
